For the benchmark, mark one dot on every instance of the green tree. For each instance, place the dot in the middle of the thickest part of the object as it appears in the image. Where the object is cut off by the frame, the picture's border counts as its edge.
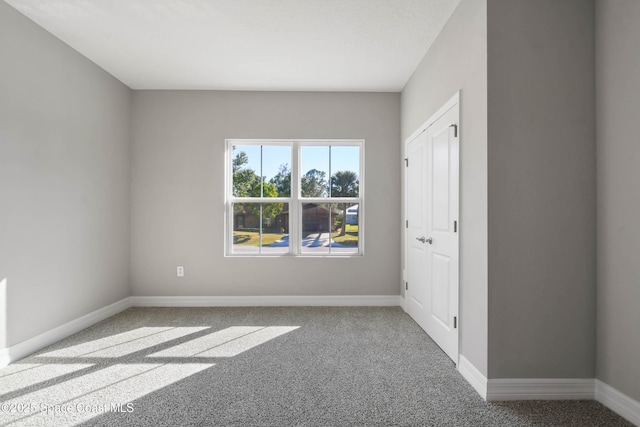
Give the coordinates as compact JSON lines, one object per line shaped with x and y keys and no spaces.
{"x":246,"y":183}
{"x":245,"y":180}
{"x":269,"y":210}
{"x":344,"y":184}
{"x":314,"y":184}
{"x":282,"y":180}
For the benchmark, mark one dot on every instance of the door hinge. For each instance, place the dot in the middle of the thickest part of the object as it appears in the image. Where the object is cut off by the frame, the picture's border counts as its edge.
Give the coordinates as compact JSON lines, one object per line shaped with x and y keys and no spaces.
{"x":406,"y":224}
{"x":406,"y":286}
{"x":406,"y":162}
{"x":455,"y":226}
{"x":455,"y":322}
{"x":455,"y":130}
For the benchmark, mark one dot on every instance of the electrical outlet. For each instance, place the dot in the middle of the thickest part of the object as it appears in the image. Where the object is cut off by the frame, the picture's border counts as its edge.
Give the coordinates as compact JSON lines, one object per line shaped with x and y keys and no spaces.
{"x":180,"y":271}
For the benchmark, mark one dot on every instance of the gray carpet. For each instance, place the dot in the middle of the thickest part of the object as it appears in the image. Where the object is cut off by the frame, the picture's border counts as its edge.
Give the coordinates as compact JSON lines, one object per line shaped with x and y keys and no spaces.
{"x":261,"y":367}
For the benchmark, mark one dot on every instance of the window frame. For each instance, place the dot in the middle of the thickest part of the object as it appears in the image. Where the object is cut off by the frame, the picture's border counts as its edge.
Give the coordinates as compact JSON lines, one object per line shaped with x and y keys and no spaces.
{"x":295,"y":200}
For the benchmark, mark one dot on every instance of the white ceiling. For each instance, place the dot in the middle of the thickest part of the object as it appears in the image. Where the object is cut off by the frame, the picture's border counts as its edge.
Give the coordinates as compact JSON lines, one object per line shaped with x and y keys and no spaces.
{"x":325,"y":45}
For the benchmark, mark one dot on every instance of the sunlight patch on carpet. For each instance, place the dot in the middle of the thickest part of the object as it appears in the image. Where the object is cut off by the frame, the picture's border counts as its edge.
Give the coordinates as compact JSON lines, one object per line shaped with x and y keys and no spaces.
{"x":16,"y":377}
{"x":125,"y":343}
{"x":228,"y":342}
{"x":110,"y":390}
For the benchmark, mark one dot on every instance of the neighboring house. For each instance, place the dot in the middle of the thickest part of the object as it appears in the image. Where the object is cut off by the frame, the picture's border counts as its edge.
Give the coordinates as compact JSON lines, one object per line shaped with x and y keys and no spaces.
{"x":251,"y":222}
{"x":315,"y":219}
{"x":352,"y":215}
{"x":242,"y":221}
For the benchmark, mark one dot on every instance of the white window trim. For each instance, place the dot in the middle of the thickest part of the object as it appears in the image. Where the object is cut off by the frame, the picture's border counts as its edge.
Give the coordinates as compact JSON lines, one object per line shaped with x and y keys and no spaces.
{"x":295,"y":201}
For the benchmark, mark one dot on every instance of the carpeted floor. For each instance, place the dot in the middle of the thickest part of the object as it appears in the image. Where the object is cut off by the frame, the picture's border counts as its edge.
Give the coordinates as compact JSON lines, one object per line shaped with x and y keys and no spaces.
{"x":260,"y":367}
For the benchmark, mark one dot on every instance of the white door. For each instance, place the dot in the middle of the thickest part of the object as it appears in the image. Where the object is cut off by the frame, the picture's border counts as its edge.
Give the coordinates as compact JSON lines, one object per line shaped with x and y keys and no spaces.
{"x":432,"y":230}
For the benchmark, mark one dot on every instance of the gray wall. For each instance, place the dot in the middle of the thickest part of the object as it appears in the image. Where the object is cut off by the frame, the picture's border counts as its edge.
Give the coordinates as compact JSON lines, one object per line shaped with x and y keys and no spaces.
{"x":618,"y":153}
{"x":178,"y":191}
{"x":458,"y":61}
{"x":64,"y":181}
{"x":541,"y":163}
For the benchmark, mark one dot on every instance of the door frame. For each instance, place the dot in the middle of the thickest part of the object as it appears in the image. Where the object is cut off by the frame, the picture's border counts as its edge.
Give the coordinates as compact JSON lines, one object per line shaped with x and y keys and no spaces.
{"x":455,"y":99}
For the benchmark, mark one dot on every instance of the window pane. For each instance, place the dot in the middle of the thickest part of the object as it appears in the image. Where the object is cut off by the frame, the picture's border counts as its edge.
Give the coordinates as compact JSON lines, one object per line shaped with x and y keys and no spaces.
{"x":275,"y":228}
{"x":246,"y":171}
{"x":345,"y":233}
{"x":345,"y":171}
{"x":316,"y":228}
{"x":260,"y":228}
{"x":314,"y":167}
{"x":246,"y":228}
{"x":327,"y":175}
{"x":276,"y":170}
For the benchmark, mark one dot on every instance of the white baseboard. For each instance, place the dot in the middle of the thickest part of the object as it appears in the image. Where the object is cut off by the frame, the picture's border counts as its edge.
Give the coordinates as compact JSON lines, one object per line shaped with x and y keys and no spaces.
{"x":541,"y":389}
{"x":618,"y":402}
{"x":25,"y":348}
{"x":4,"y":357}
{"x":558,"y":389}
{"x":473,"y":376}
{"x":268,"y":301}
{"x":526,"y":388}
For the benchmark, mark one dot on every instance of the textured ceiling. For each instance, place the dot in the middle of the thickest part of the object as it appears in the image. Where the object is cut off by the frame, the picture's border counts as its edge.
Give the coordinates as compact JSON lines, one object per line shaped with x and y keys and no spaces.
{"x":325,"y":45}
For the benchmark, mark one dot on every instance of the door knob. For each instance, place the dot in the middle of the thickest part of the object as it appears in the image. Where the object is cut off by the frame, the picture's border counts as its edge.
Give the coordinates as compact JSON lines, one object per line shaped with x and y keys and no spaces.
{"x":424,"y":240}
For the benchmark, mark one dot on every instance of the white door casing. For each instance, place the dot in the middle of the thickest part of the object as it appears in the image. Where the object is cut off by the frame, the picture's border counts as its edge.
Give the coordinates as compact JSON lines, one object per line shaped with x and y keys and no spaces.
{"x":432,"y":238}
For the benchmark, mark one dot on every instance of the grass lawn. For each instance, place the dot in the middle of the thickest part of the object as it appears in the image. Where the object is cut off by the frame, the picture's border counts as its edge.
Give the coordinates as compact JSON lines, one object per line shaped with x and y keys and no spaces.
{"x":252,"y":238}
{"x":349,"y":239}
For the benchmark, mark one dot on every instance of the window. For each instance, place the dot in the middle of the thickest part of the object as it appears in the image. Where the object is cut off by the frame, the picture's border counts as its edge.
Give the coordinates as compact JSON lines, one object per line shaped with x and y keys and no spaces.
{"x":295,"y":198}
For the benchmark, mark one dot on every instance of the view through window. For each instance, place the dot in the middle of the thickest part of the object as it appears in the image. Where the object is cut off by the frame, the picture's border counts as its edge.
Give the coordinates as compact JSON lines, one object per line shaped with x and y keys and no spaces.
{"x":295,"y":197}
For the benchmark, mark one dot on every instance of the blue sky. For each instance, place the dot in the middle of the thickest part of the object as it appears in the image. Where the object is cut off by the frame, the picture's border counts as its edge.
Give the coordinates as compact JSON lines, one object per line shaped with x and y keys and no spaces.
{"x":312,"y":157}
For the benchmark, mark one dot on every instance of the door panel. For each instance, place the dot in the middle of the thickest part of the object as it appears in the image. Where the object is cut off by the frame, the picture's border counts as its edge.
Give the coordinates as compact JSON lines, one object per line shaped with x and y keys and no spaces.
{"x":417,"y":184}
{"x":440,"y":181}
{"x":417,"y":216}
{"x":432,"y":239}
{"x":439,"y":288}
